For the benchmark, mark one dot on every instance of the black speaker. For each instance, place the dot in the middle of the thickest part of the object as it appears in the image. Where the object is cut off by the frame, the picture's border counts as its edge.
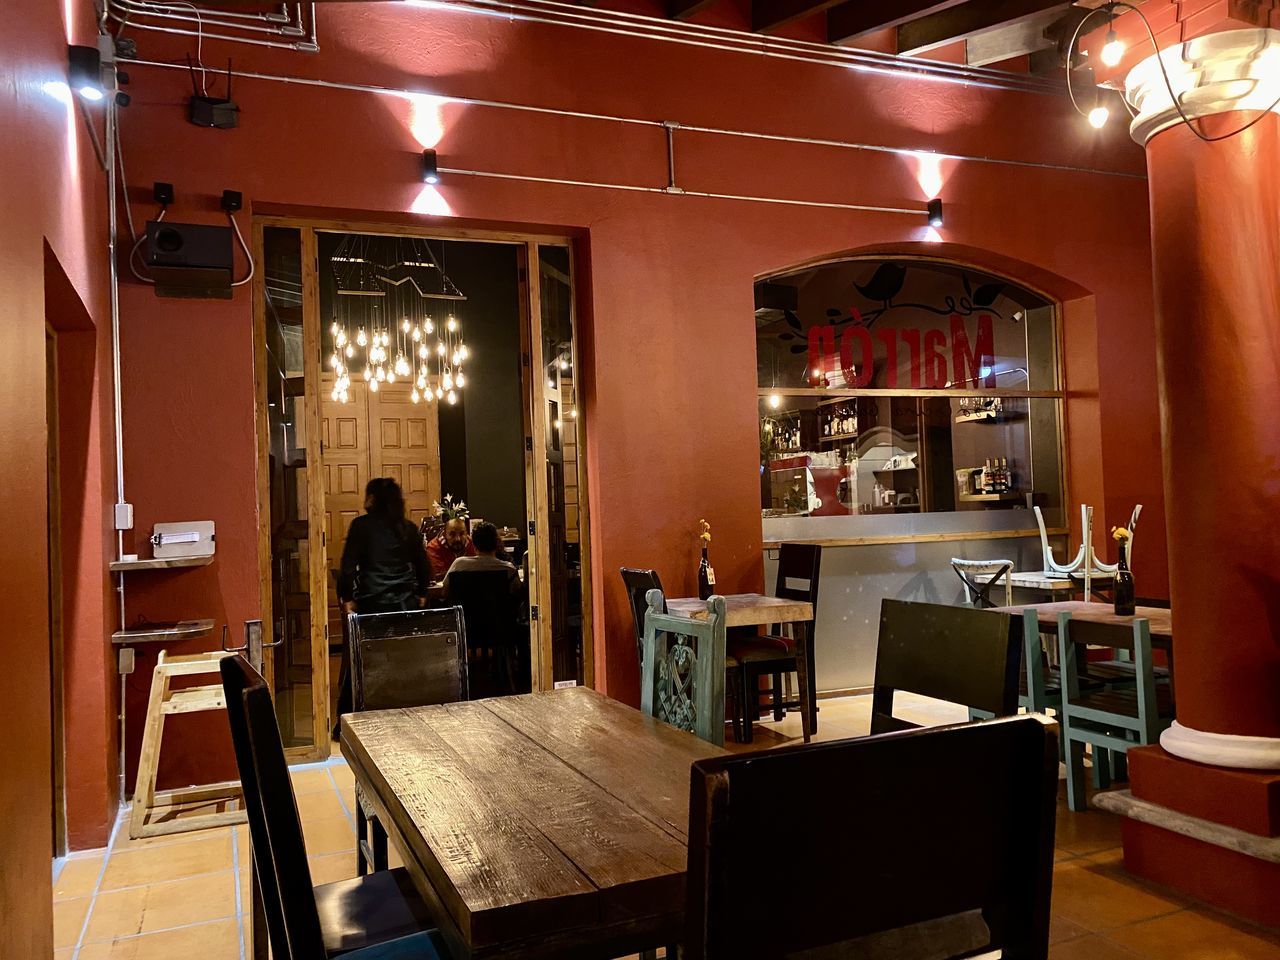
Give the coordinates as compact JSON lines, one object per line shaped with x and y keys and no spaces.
{"x":190,"y":260}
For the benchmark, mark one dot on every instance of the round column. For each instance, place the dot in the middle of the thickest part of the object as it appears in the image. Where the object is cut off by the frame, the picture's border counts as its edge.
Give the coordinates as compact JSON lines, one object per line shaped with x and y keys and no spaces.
{"x":1215,"y":236}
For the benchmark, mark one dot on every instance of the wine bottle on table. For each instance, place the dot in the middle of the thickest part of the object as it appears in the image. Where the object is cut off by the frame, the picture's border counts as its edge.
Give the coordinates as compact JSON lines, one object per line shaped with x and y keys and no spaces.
{"x":1124,"y":588}
{"x":706,"y":577}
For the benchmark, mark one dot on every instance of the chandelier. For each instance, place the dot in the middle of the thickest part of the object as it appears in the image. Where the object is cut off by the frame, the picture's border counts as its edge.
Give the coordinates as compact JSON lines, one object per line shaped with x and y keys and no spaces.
{"x":395,"y":319}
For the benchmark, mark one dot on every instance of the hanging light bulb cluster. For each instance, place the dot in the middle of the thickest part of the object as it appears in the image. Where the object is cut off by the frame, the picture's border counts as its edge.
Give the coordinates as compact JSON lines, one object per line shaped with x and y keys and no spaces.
{"x":389,"y":319}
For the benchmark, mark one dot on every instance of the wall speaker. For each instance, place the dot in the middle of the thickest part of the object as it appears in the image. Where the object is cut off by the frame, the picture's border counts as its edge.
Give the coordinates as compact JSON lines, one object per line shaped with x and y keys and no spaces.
{"x":190,"y":260}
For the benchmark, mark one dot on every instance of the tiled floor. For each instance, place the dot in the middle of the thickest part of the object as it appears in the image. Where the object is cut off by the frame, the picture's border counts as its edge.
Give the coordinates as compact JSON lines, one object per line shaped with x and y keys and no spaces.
{"x":186,"y":895}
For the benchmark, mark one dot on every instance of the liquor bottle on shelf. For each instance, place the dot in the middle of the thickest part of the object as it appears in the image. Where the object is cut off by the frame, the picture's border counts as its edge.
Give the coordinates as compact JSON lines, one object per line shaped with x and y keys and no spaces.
{"x":1010,"y":482}
{"x":986,"y":482}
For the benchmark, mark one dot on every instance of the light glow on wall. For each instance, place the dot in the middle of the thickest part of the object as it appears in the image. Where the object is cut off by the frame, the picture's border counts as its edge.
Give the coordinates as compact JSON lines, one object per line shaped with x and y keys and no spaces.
{"x":431,"y":202}
{"x":929,"y":173}
{"x":426,"y":118}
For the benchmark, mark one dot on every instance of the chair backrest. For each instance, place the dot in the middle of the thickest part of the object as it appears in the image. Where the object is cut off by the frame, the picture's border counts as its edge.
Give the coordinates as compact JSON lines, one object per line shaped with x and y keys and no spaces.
{"x":958,"y":654}
{"x":275,"y":832}
{"x":409,"y":658}
{"x":682,"y":670}
{"x":1076,"y":636}
{"x":488,"y":606}
{"x":799,"y":572}
{"x":638,"y":583}
{"x":941,"y":821}
{"x":978,"y":577}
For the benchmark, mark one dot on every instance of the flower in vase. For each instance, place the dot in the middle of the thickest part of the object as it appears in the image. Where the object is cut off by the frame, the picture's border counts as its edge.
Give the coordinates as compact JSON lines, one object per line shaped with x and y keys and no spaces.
{"x":1121,"y":534}
{"x":705,"y":535}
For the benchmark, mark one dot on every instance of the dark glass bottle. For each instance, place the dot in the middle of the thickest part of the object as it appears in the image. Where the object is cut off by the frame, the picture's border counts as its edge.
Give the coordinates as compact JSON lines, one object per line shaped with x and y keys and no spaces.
{"x":1124,"y":584}
{"x":706,"y":577}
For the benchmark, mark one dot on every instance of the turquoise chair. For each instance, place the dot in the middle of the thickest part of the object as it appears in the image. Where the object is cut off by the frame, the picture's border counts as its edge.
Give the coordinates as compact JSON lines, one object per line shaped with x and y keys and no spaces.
{"x":1110,"y":720}
{"x":682,"y":674}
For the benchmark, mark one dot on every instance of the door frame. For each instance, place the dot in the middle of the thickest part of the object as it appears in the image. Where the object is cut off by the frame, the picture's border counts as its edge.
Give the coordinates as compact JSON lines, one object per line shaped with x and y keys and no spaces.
{"x":527,"y":243}
{"x":57,"y":638}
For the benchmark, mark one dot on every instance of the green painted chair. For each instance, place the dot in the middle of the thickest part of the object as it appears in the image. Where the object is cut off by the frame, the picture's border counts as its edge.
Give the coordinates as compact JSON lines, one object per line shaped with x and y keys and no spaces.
{"x":682,"y":675}
{"x":1110,"y":720}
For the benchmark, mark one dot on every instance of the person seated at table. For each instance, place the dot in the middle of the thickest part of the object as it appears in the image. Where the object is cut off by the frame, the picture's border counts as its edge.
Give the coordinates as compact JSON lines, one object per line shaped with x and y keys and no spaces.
{"x":484,"y":538}
{"x":384,"y":566}
{"x":448,"y":546}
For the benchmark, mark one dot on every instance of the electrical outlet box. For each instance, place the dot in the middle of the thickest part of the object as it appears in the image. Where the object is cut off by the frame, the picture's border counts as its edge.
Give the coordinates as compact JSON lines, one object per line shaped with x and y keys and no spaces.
{"x":124,"y":516}
{"x":126,"y":661}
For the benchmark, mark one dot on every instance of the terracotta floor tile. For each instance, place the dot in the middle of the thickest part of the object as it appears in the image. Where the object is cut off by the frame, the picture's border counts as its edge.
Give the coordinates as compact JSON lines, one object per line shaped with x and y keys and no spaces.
{"x":78,"y":877}
{"x":68,"y":918}
{"x":123,"y":842}
{"x":133,"y":868}
{"x":207,"y":941}
{"x":1197,"y":935}
{"x":1090,"y":831}
{"x":161,"y":906}
{"x":320,"y":805}
{"x":1089,"y":948}
{"x":64,"y":954}
{"x":1099,"y":898}
{"x":310,"y":780}
{"x":331,"y":867}
{"x":342,"y":776}
{"x":331,"y":835}
{"x":1062,"y":929}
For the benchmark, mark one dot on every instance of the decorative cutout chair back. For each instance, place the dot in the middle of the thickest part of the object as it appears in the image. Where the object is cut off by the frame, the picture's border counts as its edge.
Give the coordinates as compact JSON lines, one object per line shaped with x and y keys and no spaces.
{"x":978,"y":592}
{"x":682,"y":673}
{"x":410,"y":658}
{"x":977,"y":802}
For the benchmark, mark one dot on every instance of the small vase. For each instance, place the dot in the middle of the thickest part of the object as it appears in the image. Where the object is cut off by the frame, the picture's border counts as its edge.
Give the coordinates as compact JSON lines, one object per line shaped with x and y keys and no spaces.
{"x":1124,"y":595}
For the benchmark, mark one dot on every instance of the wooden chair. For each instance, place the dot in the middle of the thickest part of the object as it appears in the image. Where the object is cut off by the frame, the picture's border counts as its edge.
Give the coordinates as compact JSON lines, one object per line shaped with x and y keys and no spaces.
{"x":379,"y":917}
{"x":1039,"y":683}
{"x":493,"y":630}
{"x":683,"y":671}
{"x":638,"y":582}
{"x":775,"y":654}
{"x":958,"y":654}
{"x":979,"y":576}
{"x":410,"y":658}
{"x":165,"y":702}
{"x":1110,"y":720}
{"x":933,"y":843}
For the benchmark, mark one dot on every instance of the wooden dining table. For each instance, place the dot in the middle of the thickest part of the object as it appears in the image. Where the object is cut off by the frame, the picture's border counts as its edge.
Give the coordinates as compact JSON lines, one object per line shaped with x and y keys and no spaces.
{"x":545,"y":825}
{"x":759,"y":610}
{"x":1160,"y":619}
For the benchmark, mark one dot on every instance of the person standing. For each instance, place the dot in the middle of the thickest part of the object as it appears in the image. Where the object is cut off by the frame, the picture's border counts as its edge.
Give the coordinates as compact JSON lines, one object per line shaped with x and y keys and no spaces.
{"x":384,"y":567}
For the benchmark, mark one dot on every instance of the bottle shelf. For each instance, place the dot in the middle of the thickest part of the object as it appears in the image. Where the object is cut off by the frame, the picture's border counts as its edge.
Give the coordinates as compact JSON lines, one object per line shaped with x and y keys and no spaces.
{"x":990,"y":497}
{"x":161,"y":563}
{"x":838,"y":436}
{"x":182,"y":630}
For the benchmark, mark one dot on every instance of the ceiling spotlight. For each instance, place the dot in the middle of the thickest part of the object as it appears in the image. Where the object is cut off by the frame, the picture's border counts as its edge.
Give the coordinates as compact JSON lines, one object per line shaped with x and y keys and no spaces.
{"x":1098,"y":117}
{"x":85,"y":72}
{"x":1113,"y":49}
{"x":430,"y":172}
{"x":775,"y":401}
{"x":935,"y":212}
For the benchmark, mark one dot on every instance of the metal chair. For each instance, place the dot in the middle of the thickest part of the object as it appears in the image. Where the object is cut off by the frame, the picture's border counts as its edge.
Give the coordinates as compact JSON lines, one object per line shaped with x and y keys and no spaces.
{"x":683,"y":671}
{"x":963,"y":656}
{"x":1110,"y":720}
{"x":379,"y":917}
{"x":410,"y":658}
{"x":976,"y":802}
{"x":977,"y":591}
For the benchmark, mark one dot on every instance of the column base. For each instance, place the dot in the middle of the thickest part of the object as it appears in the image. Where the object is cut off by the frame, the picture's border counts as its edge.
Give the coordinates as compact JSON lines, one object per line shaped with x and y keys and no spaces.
{"x":1222,"y":749}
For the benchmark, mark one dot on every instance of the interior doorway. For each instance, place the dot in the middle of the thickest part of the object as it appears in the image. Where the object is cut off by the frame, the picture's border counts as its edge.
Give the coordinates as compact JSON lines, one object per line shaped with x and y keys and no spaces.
{"x":446,"y":361}
{"x":57,"y":772}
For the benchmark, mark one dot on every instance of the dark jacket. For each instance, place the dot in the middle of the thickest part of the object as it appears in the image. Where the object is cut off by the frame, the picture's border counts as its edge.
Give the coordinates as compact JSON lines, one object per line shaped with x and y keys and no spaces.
{"x":383,"y":564}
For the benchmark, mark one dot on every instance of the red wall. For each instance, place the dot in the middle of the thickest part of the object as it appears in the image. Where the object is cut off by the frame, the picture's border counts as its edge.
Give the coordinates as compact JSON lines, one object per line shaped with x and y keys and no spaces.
{"x":670,"y":403}
{"x":52,"y":260}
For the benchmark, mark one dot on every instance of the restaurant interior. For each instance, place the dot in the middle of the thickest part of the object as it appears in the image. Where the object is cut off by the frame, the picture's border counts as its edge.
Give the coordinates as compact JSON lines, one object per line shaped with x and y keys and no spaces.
{"x":404,"y":563}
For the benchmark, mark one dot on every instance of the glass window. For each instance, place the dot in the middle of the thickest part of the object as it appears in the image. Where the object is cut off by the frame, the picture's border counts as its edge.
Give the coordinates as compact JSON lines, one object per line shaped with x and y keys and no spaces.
{"x":895,"y":387}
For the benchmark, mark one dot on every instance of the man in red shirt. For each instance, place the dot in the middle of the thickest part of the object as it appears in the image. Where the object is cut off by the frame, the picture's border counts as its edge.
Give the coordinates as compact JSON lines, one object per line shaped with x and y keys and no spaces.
{"x":451,"y":544}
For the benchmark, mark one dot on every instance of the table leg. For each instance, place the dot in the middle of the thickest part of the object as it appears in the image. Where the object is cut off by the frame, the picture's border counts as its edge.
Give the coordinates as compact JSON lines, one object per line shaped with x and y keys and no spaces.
{"x":257,"y":918}
{"x":800,"y":638}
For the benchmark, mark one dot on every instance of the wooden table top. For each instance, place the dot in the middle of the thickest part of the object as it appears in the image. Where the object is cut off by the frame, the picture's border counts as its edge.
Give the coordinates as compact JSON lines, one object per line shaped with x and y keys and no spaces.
{"x":1041,"y":580}
{"x":746,"y":609}
{"x":537,"y":825}
{"x":1160,"y":618}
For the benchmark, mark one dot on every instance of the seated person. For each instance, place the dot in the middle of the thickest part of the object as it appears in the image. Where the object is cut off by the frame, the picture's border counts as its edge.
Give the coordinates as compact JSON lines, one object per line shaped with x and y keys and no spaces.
{"x":452,"y":543}
{"x":486,"y":545}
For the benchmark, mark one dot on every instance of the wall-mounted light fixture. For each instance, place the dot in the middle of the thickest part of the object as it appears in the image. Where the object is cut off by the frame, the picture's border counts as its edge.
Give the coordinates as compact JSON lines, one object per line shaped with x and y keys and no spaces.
{"x":85,"y":72}
{"x":935,"y":212}
{"x":430,"y":172}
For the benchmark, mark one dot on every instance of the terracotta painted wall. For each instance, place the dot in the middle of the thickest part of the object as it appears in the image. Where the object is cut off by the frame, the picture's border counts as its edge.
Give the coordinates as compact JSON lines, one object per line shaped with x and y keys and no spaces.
{"x":52,"y":260}
{"x":670,"y":396}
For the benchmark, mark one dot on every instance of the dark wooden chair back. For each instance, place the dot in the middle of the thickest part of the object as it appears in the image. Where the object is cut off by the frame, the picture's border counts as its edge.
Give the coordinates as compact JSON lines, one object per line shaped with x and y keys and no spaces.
{"x":958,"y":654}
{"x":799,"y":572}
{"x":638,"y":583}
{"x":895,"y":831}
{"x":488,"y":606}
{"x":275,"y":832}
{"x":410,"y":658}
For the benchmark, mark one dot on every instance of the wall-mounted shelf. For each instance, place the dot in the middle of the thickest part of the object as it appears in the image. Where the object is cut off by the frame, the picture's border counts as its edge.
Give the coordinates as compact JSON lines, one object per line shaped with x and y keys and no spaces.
{"x":159,"y":632}
{"x":990,"y":497}
{"x":164,"y":563}
{"x":839,"y":436}
{"x":892,"y":469}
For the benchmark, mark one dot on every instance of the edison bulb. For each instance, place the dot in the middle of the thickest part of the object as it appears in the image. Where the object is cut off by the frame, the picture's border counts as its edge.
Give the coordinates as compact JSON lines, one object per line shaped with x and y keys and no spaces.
{"x":551,"y":384}
{"x":431,"y":327}
{"x":1098,"y":117}
{"x":421,"y":382}
{"x":405,"y":324}
{"x":1112,"y":50}
{"x":573,"y":414}
{"x":452,"y":325}
{"x":775,"y":401}
{"x":333,"y":328}
{"x":564,"y":364}
{"x":456,"y":358}
{"x":460,"y":380}
{"x":341,"y":337}
{"x":417,"y":334}
{"x":439,"y":393}
{"x":361,"y":338}
{"x":413,"y":395}
{"x":373,"y":386}
{"x":447,"y":382}
{"x":391,"y":377}
{"x":556,"y":424}
{"x":350,"y":351}
{"x":368,"y":373}
{"x":334,"y":361}
{"x":422,"y":351}
{"x":453,"y":397}
{"x":439,"y":348}
{"x":464,"y":352}
{"x":379,"y":374}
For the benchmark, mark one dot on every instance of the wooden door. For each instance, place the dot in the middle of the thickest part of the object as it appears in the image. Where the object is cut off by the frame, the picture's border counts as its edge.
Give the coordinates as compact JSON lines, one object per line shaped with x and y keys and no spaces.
{"x":405,"y":446}
{"x":344,"y":434}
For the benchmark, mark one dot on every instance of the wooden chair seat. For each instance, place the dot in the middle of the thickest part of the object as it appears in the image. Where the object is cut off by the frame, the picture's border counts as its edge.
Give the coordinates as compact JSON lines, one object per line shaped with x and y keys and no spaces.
{"x":1123,"y":702}
{"x":1118,"y":671}
{"x":375,"y":911}
{"x":760,"y":649}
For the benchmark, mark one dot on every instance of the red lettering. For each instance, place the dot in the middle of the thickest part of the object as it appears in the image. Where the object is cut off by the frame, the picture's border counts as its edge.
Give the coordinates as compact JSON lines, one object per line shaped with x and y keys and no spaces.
{"x":935,"y":363}
{"x":912,"y":339}
{"x":967,"y":368}
{"x":890,"y":357}
{"x":822,"y":344}
{"x":857,"y":374}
